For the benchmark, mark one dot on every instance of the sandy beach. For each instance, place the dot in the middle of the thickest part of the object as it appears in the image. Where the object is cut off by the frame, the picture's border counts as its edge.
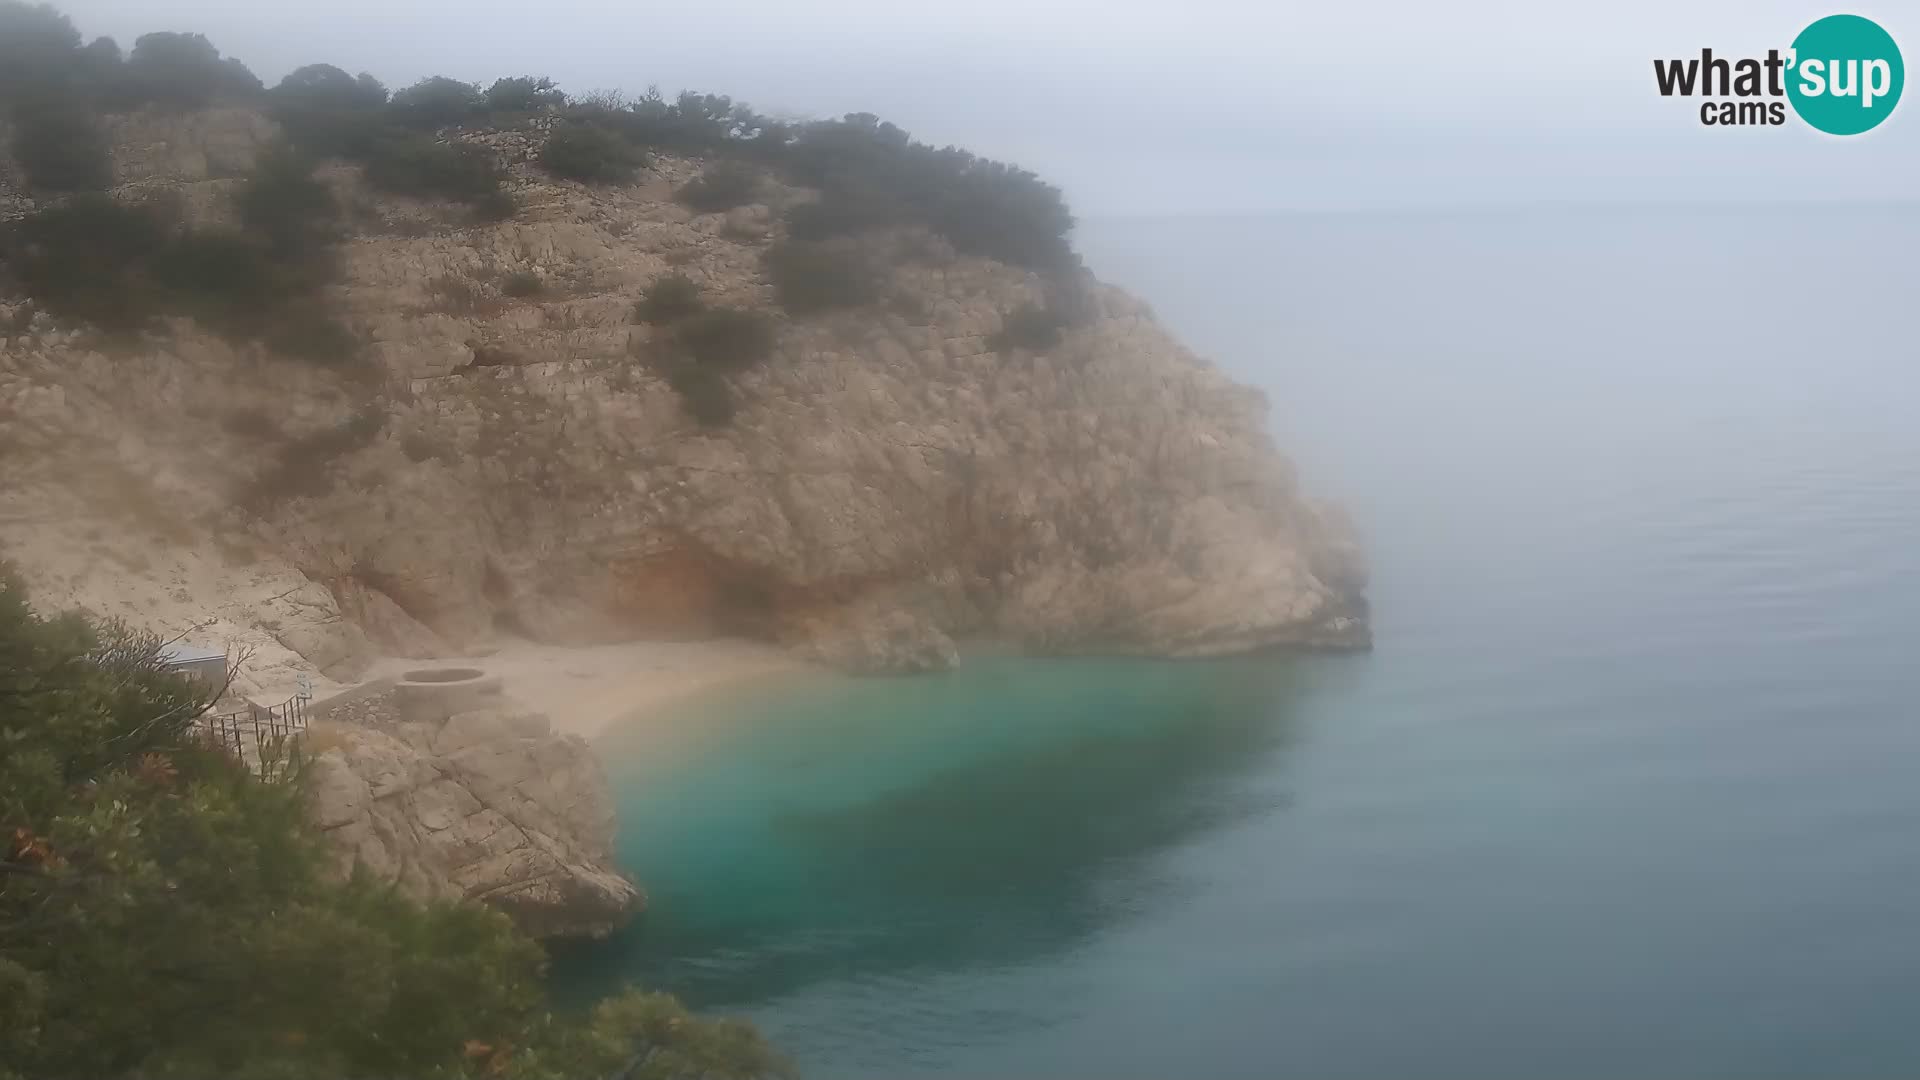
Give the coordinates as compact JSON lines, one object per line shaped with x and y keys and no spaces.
{"x":590,"y":690}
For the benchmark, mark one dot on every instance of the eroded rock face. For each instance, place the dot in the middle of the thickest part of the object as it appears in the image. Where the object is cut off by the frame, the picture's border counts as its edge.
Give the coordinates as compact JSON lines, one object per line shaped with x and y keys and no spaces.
{"x":889,"y":484}
{"x":487,"y":805}
{"x":871,"y":640}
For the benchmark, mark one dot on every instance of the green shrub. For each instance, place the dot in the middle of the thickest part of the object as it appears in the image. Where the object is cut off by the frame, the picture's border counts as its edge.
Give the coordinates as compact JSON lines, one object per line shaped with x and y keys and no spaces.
{"x":1029,"y":326}
{"x":185,"y":71}
{"x":528,"y":93}
{"x":495,"y":207}
{"x":690,"y":124}
{"x":721,"y":187}
{"x":120,"y":266}
{"x":810,"y":278}
{"x":417,"y":165}
{"x":840,"y":212}
{"x":437,"y":102}
{"x":168,"y":912}
{"x":725,"y":339}
{"x":591,"y":155}
{"x":523,"y":284}
{"x":669,"y":298}
{"x":87,"y":260}
{"x":224,"y":278}
{"x":60,"y":148}
{"x":283,"y":203}
{"x":328,"y":113}
{"x":704,"y":393}
{"x":872,"y":173}
{"x":37,"y":44}
{"x":323,"y":86}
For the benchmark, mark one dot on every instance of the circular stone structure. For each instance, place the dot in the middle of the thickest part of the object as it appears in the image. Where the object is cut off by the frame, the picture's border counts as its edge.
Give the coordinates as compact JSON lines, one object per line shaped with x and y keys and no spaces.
{"x":431,"y":695}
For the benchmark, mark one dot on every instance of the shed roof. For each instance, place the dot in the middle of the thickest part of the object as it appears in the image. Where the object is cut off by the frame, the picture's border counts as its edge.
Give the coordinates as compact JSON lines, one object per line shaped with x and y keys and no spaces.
{"x":180,"y":652}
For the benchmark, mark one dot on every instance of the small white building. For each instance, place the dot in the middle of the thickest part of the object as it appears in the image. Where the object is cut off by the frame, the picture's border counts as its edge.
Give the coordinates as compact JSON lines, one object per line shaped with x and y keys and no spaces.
{"x":201,"y":662}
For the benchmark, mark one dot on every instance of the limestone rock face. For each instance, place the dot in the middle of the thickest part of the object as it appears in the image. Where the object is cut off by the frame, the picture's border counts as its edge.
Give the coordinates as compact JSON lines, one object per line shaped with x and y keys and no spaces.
{"x":871,"y":640}
{"x":487,"y":805}
{"x":516,"y":466}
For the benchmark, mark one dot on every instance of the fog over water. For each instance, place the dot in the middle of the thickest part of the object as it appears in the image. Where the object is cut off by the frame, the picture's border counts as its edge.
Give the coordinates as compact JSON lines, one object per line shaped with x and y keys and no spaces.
{"x":1624,"y":789}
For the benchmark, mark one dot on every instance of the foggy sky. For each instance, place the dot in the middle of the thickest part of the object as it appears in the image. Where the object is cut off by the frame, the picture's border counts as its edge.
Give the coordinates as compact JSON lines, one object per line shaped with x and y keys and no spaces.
{"x":1165,"y":106}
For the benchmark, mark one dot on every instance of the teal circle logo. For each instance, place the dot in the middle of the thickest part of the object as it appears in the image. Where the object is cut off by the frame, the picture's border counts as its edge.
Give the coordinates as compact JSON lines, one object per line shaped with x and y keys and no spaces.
{"x":1846,"y":75}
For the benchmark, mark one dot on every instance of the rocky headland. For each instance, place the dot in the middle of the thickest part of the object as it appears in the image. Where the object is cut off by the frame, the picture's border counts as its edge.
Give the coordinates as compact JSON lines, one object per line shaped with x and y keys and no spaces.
{"x":505,"y":465}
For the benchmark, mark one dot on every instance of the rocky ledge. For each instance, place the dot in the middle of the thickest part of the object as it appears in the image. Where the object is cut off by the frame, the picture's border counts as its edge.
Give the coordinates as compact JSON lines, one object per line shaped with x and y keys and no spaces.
{"x":451,"y":791}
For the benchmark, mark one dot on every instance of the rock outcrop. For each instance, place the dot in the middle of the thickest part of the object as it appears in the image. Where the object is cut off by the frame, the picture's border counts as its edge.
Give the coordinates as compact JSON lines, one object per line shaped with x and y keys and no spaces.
{"x":891,"y":481}
{"x":485,"y":805}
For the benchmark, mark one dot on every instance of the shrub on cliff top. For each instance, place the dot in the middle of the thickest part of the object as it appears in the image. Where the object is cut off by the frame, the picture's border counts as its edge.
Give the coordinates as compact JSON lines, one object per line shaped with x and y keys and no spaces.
{"x":328,"y":113}
{"x":591,"y":155}
{"x":527,"y":93}
{"x":437,"y":102}
{"x":185,"y":71}
{"x":37,"y":43}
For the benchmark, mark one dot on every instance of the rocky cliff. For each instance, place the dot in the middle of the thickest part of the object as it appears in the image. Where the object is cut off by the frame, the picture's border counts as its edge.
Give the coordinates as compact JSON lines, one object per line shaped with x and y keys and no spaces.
{"x":889,"y":483}
{"x":484,"y":804}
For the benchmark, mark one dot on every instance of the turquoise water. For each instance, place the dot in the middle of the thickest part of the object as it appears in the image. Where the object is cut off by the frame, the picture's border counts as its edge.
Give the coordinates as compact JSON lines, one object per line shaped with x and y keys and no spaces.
{"x":1626,"y":788}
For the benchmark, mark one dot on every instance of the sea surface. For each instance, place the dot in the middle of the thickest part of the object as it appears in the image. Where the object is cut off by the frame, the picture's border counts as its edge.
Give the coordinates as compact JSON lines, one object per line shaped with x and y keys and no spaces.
{"x":1630,"y":785}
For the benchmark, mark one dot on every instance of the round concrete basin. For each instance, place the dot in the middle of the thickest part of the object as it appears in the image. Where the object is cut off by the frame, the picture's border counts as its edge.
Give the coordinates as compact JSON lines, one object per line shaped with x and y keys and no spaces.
{"x":431,"y":695}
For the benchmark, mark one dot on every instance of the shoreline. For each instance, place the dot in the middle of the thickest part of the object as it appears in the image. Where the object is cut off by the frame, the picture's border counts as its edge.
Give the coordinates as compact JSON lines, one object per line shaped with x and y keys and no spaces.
{"x":600,"y":691}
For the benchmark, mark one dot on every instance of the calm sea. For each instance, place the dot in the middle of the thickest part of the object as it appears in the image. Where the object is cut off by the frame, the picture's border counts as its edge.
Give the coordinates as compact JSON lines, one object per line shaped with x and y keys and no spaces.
{"x":1629,"y":787}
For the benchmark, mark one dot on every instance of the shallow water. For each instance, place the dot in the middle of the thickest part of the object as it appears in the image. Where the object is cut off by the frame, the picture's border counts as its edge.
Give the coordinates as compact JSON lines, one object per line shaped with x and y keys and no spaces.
{"x":1627,"y":786}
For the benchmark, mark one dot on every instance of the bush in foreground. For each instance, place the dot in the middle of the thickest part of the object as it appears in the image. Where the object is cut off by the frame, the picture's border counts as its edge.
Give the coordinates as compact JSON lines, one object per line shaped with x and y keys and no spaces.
{"x":165,"y":912}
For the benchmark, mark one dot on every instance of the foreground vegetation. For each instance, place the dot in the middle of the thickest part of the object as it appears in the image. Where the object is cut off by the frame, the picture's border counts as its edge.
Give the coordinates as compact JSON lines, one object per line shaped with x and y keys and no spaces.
{"x":164,"y":913}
